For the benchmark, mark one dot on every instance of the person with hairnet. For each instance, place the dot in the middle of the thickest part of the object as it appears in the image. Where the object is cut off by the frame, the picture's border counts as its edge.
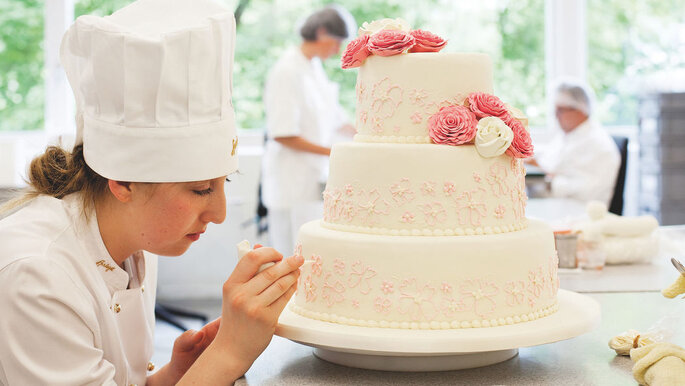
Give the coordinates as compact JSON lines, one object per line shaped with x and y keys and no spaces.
{"x":302,"y":114}
{"x":582,"y":161}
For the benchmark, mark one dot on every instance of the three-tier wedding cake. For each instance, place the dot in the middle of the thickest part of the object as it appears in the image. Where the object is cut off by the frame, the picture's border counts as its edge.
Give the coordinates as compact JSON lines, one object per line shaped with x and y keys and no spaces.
{"x":424,"y":221}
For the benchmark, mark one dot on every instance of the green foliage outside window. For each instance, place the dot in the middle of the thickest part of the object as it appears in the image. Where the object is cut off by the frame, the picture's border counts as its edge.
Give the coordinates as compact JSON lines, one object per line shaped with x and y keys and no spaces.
{"x":629,"y":41}
{"x":626,"y":38}
{"x":267,"y":28}
{"x":512,"y":32}
{"x":22,"y":92}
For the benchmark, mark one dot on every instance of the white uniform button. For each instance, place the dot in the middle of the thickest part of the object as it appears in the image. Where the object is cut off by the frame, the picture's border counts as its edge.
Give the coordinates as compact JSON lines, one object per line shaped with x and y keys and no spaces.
{"x":142,"y":288}
{"x":117,"y":308}
{"x":150,"y":366}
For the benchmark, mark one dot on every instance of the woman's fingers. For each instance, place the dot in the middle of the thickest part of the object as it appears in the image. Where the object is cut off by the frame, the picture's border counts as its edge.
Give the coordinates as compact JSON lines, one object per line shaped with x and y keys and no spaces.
{"x":271,"y":275}
{"x":281,"y":302}
{"x":249,"y":264}
{"x":210,"y":329}
{"x":188,"y":340}
{"x":273,"y":292}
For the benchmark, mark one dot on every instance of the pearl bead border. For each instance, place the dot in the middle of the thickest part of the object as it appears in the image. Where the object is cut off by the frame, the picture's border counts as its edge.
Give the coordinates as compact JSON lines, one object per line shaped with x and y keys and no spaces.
{"x":433,"y":325}
{"x":488,"y":230}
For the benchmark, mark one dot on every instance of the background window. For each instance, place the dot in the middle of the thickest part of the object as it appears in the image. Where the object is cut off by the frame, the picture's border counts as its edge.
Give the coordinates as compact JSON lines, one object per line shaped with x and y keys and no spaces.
{"x":512,"y":32}
{"x":21,"y":65}
{"x":634,"y":46}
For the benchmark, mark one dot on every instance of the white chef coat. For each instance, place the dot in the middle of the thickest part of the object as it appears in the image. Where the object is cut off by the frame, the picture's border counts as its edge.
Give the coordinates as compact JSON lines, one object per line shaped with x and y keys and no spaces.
{"x":70,"y":314}
{"x":300,"y":100}
{"x":584,"y":163}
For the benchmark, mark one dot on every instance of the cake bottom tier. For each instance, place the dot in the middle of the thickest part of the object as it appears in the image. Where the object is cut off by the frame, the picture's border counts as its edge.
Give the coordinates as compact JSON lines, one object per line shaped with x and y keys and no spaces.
{"x":424,"y":282}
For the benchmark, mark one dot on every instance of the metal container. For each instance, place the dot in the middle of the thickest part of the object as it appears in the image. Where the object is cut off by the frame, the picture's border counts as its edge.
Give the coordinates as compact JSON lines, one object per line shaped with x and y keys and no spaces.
{"x":567,"y":245}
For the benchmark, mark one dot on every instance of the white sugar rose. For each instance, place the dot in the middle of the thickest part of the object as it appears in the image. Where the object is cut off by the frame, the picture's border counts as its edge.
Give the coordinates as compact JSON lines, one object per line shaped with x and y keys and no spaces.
{"x":493,"y":137}
{"x":518,"y":115}
{"x":384,"y":24}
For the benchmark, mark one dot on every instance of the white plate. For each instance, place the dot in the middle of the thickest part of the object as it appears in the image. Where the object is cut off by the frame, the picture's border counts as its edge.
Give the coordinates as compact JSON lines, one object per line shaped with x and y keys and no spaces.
{"x":432,"y":350}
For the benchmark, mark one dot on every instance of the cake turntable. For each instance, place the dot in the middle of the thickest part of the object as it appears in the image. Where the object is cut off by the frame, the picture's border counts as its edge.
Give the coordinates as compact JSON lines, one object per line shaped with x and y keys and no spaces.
{"x":438,"y":350}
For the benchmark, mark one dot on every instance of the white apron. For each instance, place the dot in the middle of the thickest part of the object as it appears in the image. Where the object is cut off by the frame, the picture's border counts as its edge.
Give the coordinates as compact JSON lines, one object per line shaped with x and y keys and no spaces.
{"x":70,"y":314}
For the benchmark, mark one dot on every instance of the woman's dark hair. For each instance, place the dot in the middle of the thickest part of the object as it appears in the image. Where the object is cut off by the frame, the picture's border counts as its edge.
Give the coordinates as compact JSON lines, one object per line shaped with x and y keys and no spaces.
{"x":329,"y":19}
{"x":58,"y":173}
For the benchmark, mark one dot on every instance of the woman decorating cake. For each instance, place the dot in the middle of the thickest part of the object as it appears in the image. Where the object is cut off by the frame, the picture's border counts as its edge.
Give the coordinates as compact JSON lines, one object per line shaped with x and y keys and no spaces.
{"x":155,"y":143}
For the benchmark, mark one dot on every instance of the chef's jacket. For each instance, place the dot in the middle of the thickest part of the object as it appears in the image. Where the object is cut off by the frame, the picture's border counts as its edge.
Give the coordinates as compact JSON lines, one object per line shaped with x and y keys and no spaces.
{"x":584,"y":163}
{"x":70,"y":314}
{"x":300,"y":100}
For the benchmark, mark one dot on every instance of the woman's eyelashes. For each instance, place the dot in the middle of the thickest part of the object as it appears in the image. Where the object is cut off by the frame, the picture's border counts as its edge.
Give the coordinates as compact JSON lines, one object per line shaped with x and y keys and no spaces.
{"x":203,"y":192}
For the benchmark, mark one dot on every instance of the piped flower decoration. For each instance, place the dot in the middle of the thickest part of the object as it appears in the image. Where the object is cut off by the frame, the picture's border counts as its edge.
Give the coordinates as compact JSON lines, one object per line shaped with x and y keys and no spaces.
{"x":493,"y":137}
{"x":522,"y":145}
{"x":452,"y":125}
{"x":388,"y":37}
{"x":356,"y":52}
{"x":487,"y":105}
{"x":390,"y":42}
{"x":495,"y":127}
{"x":427,"y":41}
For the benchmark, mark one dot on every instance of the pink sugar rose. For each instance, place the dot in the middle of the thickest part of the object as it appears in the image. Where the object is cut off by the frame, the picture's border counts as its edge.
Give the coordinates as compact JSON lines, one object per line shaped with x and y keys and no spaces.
{"x":487,"y":105}
{"x":452,"y":125}
{"x":390,"y":42}
{"x":521,"y":146}
{"x":356,"y":52}
{"x":427,"y":42}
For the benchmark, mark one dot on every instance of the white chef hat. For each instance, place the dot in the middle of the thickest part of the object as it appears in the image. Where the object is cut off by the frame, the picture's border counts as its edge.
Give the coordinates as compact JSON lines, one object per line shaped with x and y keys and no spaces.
{"x":153,"y":86}
{"x":575,"y":94}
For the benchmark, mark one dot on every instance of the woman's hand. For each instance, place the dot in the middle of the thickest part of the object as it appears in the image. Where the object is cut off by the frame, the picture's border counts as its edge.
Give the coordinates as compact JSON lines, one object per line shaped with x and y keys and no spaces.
{"x":252,"y":303}
{"x":188,"y":347}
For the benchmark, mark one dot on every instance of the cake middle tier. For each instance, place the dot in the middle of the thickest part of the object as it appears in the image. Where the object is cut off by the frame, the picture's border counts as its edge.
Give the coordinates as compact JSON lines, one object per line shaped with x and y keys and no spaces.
{"x":423,"y":190}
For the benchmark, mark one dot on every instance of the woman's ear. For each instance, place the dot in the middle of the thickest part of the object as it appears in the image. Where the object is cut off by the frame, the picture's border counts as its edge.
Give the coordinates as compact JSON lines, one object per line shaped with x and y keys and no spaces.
{"x":120,"y":190}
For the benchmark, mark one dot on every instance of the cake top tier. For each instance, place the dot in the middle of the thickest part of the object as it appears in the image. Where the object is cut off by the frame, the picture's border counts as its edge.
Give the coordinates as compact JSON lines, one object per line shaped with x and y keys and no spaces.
{"x":396,"y":95}
{"x":408,"y":92}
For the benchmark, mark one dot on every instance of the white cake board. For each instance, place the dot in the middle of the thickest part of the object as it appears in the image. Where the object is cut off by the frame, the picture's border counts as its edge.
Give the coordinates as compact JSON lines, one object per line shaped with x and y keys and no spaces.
{"x":438,"y":350}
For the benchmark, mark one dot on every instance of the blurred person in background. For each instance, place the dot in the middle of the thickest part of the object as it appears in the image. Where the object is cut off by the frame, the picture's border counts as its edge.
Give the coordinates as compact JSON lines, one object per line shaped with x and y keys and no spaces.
{"x":302,"y":114}
{"x":581,"y":162}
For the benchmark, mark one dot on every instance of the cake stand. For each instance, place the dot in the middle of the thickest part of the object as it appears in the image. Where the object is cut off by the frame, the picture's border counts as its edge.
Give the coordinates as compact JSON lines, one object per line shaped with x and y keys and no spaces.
{"x":438,"y":350}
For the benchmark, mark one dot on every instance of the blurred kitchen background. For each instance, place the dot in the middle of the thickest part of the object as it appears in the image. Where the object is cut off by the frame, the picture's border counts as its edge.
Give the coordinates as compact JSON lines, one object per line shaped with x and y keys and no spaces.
{"x":632,"y":53}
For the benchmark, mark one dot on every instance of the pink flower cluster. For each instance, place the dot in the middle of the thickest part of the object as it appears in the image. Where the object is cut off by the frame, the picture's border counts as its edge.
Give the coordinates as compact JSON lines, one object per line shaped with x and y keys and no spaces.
{"x":456,"y":125}
{"x":389,"y":43}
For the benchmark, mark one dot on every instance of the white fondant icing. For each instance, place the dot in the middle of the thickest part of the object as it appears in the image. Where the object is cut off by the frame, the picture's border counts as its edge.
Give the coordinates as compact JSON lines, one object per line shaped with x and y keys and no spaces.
{"x":398,"y":87}
{"x":372,"y":186}
{"x":426,"y":279}
{"x":391,"y":139}
{"x":455,"y":324}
